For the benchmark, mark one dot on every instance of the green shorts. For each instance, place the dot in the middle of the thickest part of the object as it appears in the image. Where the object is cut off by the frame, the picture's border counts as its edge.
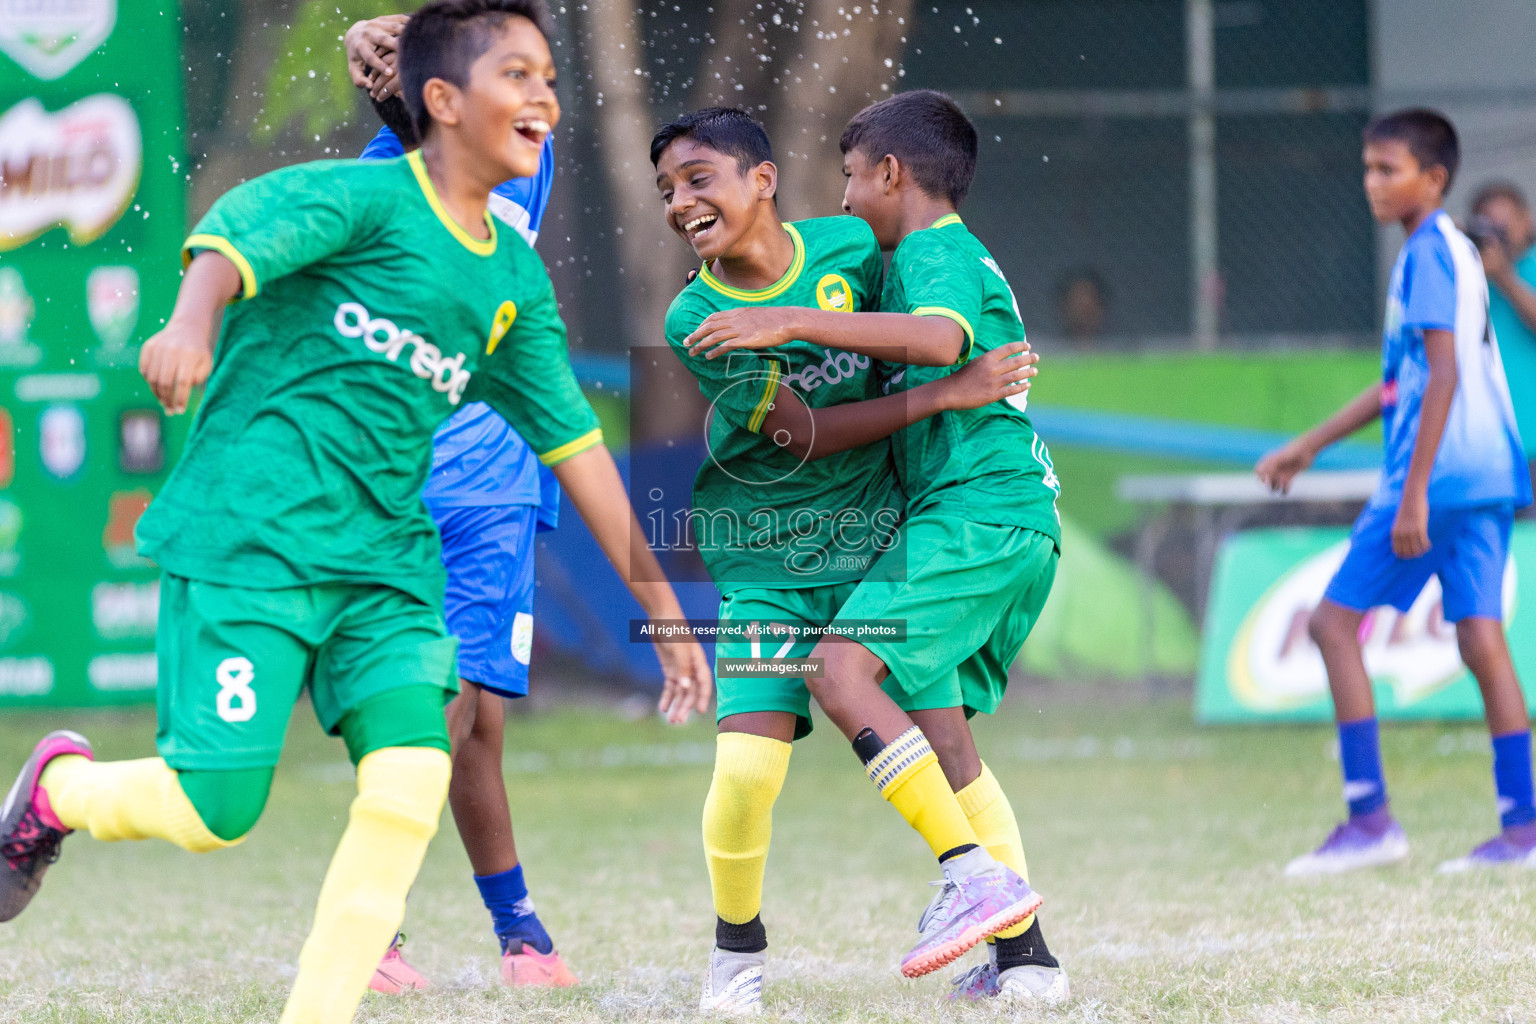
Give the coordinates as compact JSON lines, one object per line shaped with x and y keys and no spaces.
{"x":808,"y":607}
{"x":233,"y":661}
{"x":969,"y":593}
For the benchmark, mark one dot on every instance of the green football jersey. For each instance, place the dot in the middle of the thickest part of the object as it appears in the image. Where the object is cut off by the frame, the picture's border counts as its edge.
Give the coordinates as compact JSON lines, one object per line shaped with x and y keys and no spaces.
{"x":762,"y":516}
{"x":368,"y":317}
{"x":984,"y":465}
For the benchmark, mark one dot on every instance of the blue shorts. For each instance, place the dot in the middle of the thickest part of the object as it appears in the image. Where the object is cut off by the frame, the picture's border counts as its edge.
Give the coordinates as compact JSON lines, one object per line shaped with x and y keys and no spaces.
{"x":488,"y":552}
{"x":1468,"y":551}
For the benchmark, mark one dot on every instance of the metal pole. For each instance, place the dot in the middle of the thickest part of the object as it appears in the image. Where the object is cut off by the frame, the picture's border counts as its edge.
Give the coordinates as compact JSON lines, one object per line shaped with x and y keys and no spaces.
{"x":1205,"y":283}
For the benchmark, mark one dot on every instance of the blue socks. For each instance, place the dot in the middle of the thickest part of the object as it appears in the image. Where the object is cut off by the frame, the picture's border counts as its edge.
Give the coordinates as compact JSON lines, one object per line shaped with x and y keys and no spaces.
{"x":1365,"y":790}
{"x":1512,"y":778}
{"x":1360,"y":755}
{"x":512,"y":914}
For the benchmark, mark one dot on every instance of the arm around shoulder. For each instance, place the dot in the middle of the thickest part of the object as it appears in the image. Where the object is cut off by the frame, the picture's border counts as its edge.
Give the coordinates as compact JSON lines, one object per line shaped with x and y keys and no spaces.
{"x":817,"y":433}
{"x":936,"y":340}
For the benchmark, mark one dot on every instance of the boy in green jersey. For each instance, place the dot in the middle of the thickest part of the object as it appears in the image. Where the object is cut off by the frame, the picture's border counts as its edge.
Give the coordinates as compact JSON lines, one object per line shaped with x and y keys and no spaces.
{"x":296,"y":549}
{"x":977,"y":551}
{"x":788,"y":520}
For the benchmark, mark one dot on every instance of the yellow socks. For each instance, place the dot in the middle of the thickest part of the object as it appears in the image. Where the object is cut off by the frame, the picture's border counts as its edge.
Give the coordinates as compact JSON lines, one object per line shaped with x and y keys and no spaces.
{"x":738,"y":820}
{"x":990,"y":814}
{"x":400,"y":795}
{"x":126,"y":800}
{"x":907,"y":773}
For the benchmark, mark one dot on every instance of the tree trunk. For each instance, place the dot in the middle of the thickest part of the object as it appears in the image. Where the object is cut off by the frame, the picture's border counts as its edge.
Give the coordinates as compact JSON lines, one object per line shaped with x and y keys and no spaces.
{"x":849,"y":61}
{"x":653,"y":262}
{"x":731,"y":74}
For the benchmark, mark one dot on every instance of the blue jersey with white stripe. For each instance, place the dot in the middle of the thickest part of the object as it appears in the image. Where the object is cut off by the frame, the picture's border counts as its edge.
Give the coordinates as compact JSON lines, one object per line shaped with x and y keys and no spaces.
{"x":1438,"y":284}
{"x":519,"y":202}
{"x":477,"y":458}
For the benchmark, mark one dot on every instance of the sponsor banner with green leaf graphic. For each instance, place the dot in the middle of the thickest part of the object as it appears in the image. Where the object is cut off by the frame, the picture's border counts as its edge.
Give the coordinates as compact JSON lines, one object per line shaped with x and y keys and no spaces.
{"x":1258,"y":664}
{"x":92,"y":188}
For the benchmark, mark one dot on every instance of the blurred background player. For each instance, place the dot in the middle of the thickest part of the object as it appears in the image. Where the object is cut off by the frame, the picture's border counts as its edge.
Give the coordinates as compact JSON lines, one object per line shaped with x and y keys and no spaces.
{"x":1454,"y":473}
{"x":1502,"y":227}
{"x":980,"y":539}
{"x":1082,"y":307}
{"x":774,"y":459}
{"x":490,"y":496}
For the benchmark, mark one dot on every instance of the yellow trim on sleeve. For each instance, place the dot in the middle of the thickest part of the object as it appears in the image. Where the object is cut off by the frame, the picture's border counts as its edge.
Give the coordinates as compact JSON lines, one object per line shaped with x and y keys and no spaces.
{"x":965,"y":325}
{"x":224,"y":247}
{"x":946,"y":220}
{"x":478,"y":246}
{"x":760,"y":411}
{"x":774,"y":290}
{"x":565,"y":451}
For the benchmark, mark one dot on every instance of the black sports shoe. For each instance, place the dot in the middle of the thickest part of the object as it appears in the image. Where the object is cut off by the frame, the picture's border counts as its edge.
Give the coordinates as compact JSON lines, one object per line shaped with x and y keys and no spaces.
{"x":29,"y":832}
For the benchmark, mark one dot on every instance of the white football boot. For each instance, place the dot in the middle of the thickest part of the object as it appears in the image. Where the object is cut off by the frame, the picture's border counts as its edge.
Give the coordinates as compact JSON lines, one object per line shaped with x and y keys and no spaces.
{"x":733,"y":985}
{"x":1031,"y":983}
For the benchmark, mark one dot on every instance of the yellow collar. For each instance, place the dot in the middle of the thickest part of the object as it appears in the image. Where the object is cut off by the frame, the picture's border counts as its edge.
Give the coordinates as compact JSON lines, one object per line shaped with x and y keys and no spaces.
{"x":774,"y":290}
{"x":478,"y":246}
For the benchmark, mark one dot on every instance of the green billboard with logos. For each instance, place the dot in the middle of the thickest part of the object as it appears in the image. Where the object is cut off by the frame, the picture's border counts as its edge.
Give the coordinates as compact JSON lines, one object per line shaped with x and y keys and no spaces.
{"x":1258,"y":664}
{"x":92,"y":186}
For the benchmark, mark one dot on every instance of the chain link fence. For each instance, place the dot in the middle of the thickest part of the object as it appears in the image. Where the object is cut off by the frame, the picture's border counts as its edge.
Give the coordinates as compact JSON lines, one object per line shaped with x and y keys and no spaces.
{"x":1095,"y":188}
{"x":1154,"y":173}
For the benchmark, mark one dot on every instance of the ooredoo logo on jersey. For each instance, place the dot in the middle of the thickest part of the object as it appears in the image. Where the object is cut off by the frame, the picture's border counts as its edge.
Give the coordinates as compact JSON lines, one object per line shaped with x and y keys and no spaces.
{"x":385,"y":337}
{"x":837,"y":367}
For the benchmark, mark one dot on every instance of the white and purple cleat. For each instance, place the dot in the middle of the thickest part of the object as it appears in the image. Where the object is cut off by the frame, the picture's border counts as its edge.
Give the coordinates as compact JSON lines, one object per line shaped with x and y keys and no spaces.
{"x":1364,"y":841}
{"x":1513,"y":847}
{"x":980,"y":897}
{"x":1029,"y":983}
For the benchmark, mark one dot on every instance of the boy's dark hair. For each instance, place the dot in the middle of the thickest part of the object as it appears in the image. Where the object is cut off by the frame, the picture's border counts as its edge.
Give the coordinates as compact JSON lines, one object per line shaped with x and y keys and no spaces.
{"x":727,"y":130}
{"x":928,"y":132}
{"x":445,"y":37}
{"x":1428,"y":134}
{"x":1506,"y":190}
{"x":397,"y":119}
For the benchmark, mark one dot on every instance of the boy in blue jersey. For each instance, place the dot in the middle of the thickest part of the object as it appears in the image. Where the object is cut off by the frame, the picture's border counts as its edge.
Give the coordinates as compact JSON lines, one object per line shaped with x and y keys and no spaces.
{"x":490,"y":496}
{"x":1453,"y":476}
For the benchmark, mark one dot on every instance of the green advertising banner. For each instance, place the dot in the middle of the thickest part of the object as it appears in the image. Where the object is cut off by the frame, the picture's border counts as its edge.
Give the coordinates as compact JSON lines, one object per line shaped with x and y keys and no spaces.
{"x":1258,"y":664}
{"x":92,"y":188}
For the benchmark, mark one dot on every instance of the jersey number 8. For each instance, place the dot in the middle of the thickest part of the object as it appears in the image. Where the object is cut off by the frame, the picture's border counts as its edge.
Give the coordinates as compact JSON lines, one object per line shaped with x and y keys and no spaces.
{"x":236,"y":701}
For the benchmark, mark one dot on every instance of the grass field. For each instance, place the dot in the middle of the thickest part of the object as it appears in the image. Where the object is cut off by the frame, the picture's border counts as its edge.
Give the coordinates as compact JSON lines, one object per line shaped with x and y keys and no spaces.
{"x":1158,"y":847}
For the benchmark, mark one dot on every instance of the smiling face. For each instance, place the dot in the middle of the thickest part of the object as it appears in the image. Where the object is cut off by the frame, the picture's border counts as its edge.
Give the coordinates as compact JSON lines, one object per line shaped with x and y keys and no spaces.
{"x":508,"y":105}
{"x":870,"y":196}
{"x":708,"y":200}
{"x":1397,"y":186}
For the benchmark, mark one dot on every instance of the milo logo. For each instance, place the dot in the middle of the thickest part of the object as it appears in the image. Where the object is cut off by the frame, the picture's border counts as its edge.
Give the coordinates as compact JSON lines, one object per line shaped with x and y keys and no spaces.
{"x":1273,"y":665}
{"x":836,"y":368}
{"x":427,"y":361}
